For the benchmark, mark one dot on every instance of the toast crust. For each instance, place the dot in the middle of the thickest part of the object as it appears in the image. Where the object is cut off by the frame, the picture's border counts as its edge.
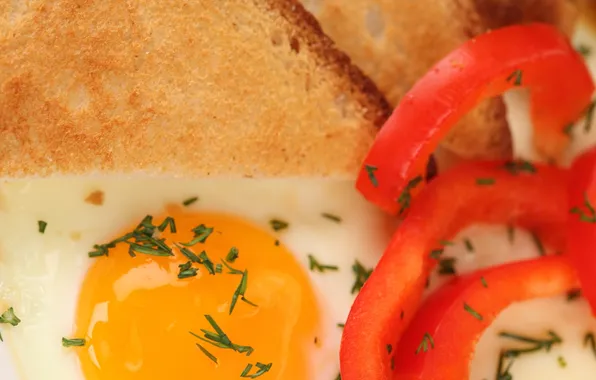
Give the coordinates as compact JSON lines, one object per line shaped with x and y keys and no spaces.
{"x":395,"y":42}
{"x":191,"y":88}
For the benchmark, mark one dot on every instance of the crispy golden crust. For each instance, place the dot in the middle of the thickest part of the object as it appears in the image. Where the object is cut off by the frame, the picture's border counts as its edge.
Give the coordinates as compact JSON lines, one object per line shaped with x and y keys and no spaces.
{"x":185,"y":88}
{"x":397,"y":41}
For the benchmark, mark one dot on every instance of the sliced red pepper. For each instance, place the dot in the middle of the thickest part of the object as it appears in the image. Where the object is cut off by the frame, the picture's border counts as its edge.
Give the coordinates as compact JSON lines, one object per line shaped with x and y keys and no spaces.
{"x":439,"y":343}
{"x":532,"y":197}
{"x":582,"y":223}
{"x":536,"y":56}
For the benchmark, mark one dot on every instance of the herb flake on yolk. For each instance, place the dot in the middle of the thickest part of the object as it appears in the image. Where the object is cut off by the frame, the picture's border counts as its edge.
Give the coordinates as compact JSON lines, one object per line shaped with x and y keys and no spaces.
{"x":162,"y":298}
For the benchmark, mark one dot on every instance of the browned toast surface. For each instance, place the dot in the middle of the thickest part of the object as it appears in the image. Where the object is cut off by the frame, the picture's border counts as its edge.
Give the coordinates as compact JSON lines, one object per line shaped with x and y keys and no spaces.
{"x":183,"y":88}
{"x":396,"y":41}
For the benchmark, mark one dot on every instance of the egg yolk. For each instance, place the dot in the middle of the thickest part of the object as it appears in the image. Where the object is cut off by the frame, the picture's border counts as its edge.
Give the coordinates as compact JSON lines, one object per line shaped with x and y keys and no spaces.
{"x":146,"y":315}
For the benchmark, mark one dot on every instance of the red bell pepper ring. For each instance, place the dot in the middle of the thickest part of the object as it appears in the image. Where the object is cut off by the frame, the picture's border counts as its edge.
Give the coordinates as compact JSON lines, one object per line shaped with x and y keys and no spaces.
{"x":440,"y":342}
{"x":532,"y":197}
{"x":536,"y":56}
{"x":582,"y":223}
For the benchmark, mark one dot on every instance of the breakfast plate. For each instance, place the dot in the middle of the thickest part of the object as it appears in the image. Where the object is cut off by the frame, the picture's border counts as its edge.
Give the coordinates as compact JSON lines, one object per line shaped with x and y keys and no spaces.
{"x":169,"y":211}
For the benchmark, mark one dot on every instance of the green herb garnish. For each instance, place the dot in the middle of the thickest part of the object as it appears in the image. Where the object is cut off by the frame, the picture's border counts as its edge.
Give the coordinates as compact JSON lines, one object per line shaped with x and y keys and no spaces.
{"x":437,"y":253}
{"x":201,"y":232}
{"x":370,"y":171}
{"x":278,"y":224}
{"x":331,"y":217}
{"x":485,"y":181}
{"x":75,"y":342}
{"x":187,"y":271}
{"x":315,"y":266}
{"x":207,"y":263}
{"x":426,"y":344}
{"x":207,"y":353}
{"x":261,"y":370}
{"x":468,"y":244}
{"x":41,"y":226}
{"x":9,"y":317}
{"x":584,"y":50}
{"x":140,"y":240}
{"x":189,"y":254}
{"x":473,"y":312}
{"x":590,"y":215}
{"x":240,"y":290}
{"x":248,"y":302}
{"x":148,"y":249}
{"x":230,"y":269}
{"x":515,"y":77}
{"x":232,"y":255}
{"x":190,"y":201}
{"x":536,"y":344}
{"x":220,"y":339}
{"x":511,"y":354}
{"x":168,"y":222}
{"x":502,"y":371}
{"x":521,"y":166}
{"x":362,"y":274}
{"x":405,"y":198}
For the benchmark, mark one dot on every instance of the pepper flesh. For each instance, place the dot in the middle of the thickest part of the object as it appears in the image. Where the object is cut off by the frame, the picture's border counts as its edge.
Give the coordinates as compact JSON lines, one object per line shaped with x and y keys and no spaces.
{"x":536,"y":56}
{"x":536,"y":200}
{"x":582,"y":223}
{"x":455,"y":329}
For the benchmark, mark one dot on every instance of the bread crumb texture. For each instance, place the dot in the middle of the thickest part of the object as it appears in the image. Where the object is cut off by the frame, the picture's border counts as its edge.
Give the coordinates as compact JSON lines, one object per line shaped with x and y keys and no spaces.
{"x":178,"y":88}
{"x":395,"y":42}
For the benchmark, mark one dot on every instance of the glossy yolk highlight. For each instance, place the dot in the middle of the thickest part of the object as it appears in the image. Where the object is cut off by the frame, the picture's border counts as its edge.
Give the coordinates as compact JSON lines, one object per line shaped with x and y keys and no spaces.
{"x":137,"y":315}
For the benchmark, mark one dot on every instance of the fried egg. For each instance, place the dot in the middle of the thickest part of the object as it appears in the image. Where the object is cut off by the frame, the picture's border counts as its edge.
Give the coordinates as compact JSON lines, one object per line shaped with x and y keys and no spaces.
{"x":247,"y":277}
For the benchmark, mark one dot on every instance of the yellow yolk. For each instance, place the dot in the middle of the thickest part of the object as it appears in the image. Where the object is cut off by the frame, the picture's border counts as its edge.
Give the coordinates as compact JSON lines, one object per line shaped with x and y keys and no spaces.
{"x":137,"y":315}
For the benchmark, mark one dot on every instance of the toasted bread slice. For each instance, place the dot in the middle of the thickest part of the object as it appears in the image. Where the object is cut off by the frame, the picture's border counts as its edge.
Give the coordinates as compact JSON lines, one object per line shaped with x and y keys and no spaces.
{"x":397,"y":41}
{"x":182,"y":88}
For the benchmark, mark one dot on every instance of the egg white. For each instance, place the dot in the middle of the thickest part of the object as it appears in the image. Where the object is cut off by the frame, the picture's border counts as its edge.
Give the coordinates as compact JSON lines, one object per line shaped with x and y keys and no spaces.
{"x":41,"y":273}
